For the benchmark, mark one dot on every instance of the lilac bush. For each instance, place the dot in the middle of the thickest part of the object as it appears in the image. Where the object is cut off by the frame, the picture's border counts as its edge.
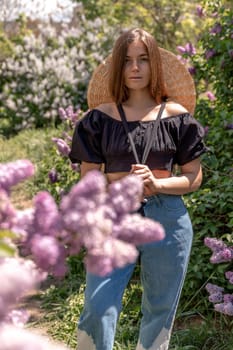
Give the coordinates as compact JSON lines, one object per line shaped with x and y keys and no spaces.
{"x":221,"y":252}
{"x":49,"y":70}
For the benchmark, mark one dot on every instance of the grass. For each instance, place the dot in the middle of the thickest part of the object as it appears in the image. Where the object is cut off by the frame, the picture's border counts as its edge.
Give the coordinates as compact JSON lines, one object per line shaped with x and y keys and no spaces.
{"x":196,"y":327}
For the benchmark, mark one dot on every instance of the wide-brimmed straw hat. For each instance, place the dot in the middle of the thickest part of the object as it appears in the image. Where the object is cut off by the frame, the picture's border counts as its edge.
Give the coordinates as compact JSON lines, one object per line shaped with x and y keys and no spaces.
{"x":179,"y":83}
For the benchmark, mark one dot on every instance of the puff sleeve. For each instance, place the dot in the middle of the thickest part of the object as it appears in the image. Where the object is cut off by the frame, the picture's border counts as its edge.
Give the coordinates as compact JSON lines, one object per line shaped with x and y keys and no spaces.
{"x":86,"y":140}
{"x":190,"y":143}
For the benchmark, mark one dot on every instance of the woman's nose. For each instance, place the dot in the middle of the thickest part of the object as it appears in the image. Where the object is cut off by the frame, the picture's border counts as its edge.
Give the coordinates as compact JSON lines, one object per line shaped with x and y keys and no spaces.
{"x":135,"y":65}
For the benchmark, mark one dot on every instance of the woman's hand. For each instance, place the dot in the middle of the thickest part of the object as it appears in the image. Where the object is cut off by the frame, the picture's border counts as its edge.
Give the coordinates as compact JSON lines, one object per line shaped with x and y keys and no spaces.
{"x":147,"y":177}
{"x":188,"y":180}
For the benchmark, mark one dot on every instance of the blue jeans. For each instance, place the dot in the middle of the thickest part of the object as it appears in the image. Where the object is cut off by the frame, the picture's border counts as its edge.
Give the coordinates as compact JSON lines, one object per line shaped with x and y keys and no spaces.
{"x":163,"y":267}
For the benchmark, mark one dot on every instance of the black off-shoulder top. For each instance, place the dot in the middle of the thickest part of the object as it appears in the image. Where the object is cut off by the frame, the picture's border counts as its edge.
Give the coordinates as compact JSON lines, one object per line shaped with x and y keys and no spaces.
{"x":99,"y":138}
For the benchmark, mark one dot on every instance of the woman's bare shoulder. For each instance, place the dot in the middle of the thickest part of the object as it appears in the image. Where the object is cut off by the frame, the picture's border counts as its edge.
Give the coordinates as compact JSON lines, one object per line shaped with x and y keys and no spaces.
{"x":173,"y":108}
{"x":107,"y":108}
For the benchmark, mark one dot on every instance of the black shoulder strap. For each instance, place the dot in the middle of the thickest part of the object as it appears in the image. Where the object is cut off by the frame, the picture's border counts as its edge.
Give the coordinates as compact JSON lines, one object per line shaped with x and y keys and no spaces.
{"x":149,"y":142}
{"x":125,"y":125}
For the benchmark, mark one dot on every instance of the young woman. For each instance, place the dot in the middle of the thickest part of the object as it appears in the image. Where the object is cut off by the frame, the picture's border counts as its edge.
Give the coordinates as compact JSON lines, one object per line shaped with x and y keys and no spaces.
{"x":136,"y":83}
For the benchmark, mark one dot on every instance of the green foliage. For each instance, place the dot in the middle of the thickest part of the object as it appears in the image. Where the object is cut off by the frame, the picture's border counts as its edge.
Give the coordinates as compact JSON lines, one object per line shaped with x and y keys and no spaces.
{"x":211,"y":208}
{"x":169,"y":21}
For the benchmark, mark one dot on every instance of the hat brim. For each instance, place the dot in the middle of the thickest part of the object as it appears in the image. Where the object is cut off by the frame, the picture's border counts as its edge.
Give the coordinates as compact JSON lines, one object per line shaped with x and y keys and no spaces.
{"x":179,"y":83}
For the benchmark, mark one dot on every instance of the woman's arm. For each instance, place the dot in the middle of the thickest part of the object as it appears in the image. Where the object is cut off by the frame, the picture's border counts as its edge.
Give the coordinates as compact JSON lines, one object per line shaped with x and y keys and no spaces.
{"x":85,"y":167}
{"x":189,"y":180}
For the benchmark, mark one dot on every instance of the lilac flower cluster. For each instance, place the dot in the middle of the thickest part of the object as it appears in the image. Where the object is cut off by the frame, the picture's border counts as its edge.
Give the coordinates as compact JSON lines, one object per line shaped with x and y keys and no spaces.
{"x":20,"y":276}
{"x":222,"y":302}
{"x":221,"y":252}
{"x":14,"y":172}
{"x":101,"y":219}
{"x":68,"y":114}
{"x":62,"y":147}
{"x":188,"y":49}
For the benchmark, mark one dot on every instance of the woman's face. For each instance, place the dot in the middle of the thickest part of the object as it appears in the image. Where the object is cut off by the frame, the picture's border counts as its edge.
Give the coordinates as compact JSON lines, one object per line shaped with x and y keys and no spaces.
{"x":137,"y":72}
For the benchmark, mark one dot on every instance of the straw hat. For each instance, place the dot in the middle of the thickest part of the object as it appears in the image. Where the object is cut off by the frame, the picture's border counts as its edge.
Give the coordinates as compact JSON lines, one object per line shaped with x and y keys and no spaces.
{"x":178,"y":81}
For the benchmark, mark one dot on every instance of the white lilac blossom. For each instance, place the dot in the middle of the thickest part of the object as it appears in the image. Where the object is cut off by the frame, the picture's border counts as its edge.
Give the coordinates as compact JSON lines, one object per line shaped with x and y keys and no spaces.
{"x":53,"y":75}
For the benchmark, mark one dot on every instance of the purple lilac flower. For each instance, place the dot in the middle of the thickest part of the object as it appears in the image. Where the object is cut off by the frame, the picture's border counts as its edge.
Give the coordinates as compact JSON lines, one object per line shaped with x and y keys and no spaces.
{"x":19,"y":276}
{"x":182,"y":59}
{"x":66,"y":137}
{"x":53,"y":176}
{"x":23,"y":223}
{"x":125,"y":195}
{"x":210,"y":53}
{"x":103,"y":221}
{"x":91,"y":215}
{"x":231,"y":52}
{"x":229,"y":126}
{"x":188,"y":49}
{"x":229,"y":276}
{"x":75,"y":167}
{"x":228,"y":298}
{"x":213,"y":288}
{"x":14,"y":172}
{"x":45,"y":250}
{"x":69,"y":114}
{"x":110,"y":254}
{"x":200,"y":11}
{"x":192,"y":70}
{"x":62,"y":147}
{"x":17,"y":318}
{"x":125,"y":229}
{"x":224,"y":255}
{"x":210,"y":96}
{"x":217,"y":28}
{"x":216,"y":297}
{"x":46,"y":215}
{"x":12,"y":338}
{"x":206,"y":129}
{"x":7,"y":211}
{"x":181,"y":49}
{"x":224,"y":308}
{"x":214,"y":244}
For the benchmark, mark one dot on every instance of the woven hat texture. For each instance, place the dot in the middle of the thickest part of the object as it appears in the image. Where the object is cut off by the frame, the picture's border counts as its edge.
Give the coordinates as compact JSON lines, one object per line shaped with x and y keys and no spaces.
{"x":179,"y":83}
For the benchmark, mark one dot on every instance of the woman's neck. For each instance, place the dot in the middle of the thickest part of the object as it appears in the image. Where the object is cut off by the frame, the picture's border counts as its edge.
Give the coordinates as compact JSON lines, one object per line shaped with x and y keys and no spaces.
{"x":140,"y":100}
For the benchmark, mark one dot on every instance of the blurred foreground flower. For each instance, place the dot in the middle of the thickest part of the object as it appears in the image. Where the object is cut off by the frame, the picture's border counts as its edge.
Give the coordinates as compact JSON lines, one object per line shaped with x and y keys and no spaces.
{"x":98,"y":217}
{"x":13,"y":338}
{"x":12,"y":173}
